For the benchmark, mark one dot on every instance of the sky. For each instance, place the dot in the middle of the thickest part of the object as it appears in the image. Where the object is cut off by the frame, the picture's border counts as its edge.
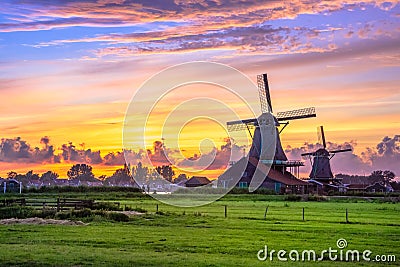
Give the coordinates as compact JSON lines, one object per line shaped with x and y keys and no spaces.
{"x":69,"y":69}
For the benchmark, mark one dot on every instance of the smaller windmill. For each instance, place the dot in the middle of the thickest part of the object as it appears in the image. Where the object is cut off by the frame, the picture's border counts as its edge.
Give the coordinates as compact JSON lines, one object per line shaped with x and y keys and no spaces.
{"x":320,"y":160}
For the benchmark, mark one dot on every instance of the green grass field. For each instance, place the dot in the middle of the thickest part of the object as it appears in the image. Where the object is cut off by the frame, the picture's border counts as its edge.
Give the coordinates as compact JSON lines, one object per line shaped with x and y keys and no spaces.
{"x":202,"y":236}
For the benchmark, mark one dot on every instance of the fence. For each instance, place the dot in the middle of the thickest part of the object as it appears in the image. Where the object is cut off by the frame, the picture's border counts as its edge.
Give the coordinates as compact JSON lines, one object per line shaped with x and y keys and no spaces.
{"x":60,"y":203}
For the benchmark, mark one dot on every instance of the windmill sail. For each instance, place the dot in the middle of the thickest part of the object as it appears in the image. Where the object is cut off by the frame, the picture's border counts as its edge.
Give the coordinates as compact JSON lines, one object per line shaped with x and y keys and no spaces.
{"x":321,"y":136}
{"x":241,"y":125}
{"x":340,"y":150}
{"x":296,"y":114}
{"x":263,"y":91}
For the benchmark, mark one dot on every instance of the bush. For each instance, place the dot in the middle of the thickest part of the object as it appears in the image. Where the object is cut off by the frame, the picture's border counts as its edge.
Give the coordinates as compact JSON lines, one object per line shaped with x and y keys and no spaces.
{"x":46,"y":213}
{"x":292,"y":198}
{"x":80,"y":189}
{"x":118,"y":217}
{"x":315,"y":198}
{"x":84,"y":213}
{"x":106,"y":206}
{"x":73,"y":214}
{"x":18,"y":212}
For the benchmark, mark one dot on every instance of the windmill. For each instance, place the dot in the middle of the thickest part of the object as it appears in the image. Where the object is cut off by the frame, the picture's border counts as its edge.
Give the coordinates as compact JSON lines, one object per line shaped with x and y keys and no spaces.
{"x":281,"y":118}
{"x":320,"y":160}
{"x":267,"y":122}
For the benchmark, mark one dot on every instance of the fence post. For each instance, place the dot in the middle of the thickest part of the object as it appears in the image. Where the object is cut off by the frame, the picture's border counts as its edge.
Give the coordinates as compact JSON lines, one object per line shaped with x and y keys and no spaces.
{"x":226,"y":210}
{"x":58,"y":204}
{"x":303,"y":214}
{"x":347,"y":216}
{"x":265,"y":213}
{"x":156,"y":207}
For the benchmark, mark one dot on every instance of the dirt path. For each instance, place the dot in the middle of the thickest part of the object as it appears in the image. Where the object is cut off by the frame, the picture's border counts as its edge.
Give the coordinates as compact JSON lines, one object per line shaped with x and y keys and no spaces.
{"x":39,"y":221}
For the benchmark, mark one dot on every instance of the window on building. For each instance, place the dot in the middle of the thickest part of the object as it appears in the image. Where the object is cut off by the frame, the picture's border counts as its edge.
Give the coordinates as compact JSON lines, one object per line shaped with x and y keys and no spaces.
{"x":242,"y":184}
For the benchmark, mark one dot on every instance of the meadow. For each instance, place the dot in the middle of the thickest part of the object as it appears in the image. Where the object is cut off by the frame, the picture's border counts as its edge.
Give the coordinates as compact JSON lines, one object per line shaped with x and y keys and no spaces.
{"x":203,"y":236}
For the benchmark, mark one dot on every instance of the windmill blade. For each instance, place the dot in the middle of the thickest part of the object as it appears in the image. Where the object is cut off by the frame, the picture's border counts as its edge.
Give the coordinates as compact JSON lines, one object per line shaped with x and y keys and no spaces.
{"x":263,"y":91}
{"x":321,"y":136}
{"x":296,"y":114}
{"x":241,"y":125}
{"x":340,"y":150}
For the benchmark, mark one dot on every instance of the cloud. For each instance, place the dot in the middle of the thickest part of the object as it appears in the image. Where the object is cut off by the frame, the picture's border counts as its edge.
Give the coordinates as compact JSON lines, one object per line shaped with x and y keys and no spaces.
{"x":71,"y":154}
{"x":18,"y":150}
{"x":37,"y":15}
{"x":216,"y":159}
{"x":386,"y":155}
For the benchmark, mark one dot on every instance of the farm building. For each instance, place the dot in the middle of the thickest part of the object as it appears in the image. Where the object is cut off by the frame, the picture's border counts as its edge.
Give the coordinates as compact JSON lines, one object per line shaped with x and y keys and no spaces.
{"x":10,"y":185}
{"x":276,"y":178}
{"x":196,"y":181}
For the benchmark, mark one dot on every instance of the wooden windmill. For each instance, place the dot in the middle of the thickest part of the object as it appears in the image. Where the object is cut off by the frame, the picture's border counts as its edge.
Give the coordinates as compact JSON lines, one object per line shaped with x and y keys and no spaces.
{"x":320,"y":159}
{"x":260,"y":137}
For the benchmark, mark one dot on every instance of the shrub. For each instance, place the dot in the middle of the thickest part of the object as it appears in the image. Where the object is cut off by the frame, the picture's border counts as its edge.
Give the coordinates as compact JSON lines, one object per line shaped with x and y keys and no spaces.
{"x":106,"y":206}
{"x":292,"y":198}
{"x":46,"y":213}
{"x":118,"y":217}
{"x":315,"y":198}
{"x":84,"y":213}
{"x":80,"y":189}
{"x":18,"y":212}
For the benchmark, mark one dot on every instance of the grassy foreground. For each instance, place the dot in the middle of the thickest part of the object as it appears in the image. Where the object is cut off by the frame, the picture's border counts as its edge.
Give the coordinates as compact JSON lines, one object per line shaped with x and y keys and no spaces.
{"x":202,"y":236}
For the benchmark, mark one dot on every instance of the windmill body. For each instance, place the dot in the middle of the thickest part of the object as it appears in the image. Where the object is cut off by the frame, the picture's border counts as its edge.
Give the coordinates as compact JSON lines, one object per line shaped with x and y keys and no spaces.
{"x":321,"y":167}
{"x":265,"y":132}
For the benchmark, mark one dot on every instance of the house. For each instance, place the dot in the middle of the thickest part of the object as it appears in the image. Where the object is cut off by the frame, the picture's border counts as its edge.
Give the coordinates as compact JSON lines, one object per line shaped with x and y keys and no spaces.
{"x":395,"y":186}
{"x":10,"y":186}
{"x":275,"y":179}
{"x":378,"y":187}
{"x":196,"y":181}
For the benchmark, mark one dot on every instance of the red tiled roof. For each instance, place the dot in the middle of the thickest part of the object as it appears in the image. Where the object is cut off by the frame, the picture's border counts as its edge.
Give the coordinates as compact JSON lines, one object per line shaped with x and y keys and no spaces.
{"x":284,"y":178}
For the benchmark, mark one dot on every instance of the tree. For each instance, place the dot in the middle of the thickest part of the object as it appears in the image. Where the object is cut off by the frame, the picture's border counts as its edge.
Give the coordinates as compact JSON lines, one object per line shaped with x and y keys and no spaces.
{"x":81,"y":172}
{"x":166,"y":172}
{"x":383,"y":176}
{"x":388,"y":176}
{"x":30,"y":176}
{"x":140,"y":173}
{"x":121,"y":177}
{"x":181,"y":178}
{"x":48,"y":178}
{"x":11,"y":175}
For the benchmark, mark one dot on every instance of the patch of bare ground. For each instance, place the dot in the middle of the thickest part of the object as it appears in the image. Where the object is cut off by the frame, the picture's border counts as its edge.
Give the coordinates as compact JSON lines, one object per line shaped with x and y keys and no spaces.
{"x":39,"y":221}
{"x":131,"y":213}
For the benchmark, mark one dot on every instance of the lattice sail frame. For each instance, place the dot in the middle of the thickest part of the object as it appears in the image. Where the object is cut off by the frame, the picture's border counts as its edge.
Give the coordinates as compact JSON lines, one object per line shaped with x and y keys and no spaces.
{"x":263,"y":91}
{"x":296,"y":114}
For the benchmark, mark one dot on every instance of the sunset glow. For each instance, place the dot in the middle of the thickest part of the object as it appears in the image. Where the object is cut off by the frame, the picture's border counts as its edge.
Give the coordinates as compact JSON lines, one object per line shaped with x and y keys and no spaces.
{"x":69,"y":70}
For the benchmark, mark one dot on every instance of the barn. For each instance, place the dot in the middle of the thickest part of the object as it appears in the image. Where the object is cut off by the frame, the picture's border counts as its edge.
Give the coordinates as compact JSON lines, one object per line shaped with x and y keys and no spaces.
{"x":196,"y":181}
{"x":276,"y":179}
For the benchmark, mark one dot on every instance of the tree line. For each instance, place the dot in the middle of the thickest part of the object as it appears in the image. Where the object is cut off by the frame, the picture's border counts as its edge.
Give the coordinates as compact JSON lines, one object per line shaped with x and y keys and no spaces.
{"x":83,"y":174}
